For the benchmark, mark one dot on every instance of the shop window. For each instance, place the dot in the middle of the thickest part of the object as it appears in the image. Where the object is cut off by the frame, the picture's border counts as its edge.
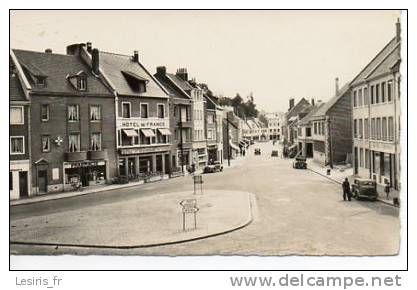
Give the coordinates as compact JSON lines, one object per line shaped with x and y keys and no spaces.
{"x":73,"y":113}
{"x":16,"y":115}
{"x":95,"y":113}
{"x":46,"y":143}
{"x":95,"y":142}
{"x":74,"y":142}
{"x":126,"y":110}
{"x":17,"y":145}
{"x":44,"y":112}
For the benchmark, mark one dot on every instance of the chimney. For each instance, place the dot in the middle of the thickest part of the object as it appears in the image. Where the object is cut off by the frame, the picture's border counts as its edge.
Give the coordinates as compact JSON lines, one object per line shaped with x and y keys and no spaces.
{"x":75,"y":49}
{"x":398,"y":30}
{"x":337,"y":86}
{"x":136,"y":56}
{"x":89,"y":47}
{"x":291,"y":104}
{"x":312,"y":102}
{"x":48,"y":50}
{"x":95,"y":63}
{"x":182,"y":74}
{"x":161,"y":70}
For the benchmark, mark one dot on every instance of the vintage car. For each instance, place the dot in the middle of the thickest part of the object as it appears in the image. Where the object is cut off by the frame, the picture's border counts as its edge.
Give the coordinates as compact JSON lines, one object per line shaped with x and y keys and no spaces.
{"x":364,"y":188}
{"x":274,"y":153}
{"x":257,"y":151}
{"x":216,"y":166}
{"x":300,"y":162}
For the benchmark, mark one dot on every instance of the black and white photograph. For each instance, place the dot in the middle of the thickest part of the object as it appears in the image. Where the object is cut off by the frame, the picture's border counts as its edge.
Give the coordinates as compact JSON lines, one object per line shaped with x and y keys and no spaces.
{"x":181,"y":133}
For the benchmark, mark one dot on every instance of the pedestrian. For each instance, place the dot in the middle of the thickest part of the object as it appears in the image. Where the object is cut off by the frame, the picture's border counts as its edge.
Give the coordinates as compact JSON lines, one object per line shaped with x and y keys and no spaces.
{"x":346,"y":190}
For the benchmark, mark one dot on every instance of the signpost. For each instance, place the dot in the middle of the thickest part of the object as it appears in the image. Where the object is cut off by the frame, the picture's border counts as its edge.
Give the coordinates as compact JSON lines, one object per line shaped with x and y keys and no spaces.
{"x":198,"y":179}
{"x":189,"y":206}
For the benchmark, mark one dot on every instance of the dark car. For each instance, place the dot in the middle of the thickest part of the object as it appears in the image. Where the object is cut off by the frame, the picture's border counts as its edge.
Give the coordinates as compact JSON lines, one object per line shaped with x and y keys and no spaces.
{"x":274,"y":153}
{"x":216,"y":166}
{"x":257,"y":151}
{"x":364,"y":188}
{"x":300,"y":163}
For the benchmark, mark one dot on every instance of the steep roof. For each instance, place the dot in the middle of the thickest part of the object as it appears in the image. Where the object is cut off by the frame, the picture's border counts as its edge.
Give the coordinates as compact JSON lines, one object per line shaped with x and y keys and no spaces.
{"x":56,"y":68}
{"x":330,"y":103}
{"x":171,"y":87}
{"x":116,"y":66}
{"x":375,"y":62}
{"x":307,"y":118}
{"x":180,"y":82}
{"x":303,"y":103}
{"x":15,"y":89}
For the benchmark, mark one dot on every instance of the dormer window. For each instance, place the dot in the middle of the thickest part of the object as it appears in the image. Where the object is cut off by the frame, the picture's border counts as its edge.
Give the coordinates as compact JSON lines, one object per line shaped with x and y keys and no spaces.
{"x":82,"y":83}
{"x":35,"y":74}
{"x":136,"y":82}
{"x":40,"y":81}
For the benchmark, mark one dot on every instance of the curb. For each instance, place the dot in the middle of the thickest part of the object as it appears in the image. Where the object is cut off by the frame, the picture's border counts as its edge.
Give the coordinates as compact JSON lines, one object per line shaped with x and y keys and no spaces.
{"x":334,"y":180}
{"x":241,"y":226}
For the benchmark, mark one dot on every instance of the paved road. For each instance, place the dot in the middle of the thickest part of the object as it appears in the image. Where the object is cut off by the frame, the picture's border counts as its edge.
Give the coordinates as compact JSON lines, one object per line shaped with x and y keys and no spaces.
{"x":297,"y":212}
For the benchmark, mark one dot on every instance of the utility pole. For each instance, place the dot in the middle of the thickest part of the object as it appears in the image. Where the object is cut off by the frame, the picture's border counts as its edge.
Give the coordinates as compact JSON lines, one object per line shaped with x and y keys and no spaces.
{"x":228,"y":143}
{"x":329,"y":130}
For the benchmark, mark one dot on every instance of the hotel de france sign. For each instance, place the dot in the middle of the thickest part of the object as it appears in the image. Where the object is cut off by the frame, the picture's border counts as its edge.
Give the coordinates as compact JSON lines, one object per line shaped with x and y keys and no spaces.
{"x":140,"y":123}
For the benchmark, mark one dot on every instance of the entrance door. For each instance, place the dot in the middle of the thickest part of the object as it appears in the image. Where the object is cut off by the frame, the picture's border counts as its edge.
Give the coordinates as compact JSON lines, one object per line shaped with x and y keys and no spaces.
{"x":23,"y":184}
{"x":42,"y":181}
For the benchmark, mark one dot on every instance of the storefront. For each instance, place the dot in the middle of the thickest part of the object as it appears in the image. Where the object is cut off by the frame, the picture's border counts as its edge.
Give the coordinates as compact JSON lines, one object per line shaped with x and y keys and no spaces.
{"x":212,"y":153}
{"x":19,"y":179}
{"x":85,"y":173}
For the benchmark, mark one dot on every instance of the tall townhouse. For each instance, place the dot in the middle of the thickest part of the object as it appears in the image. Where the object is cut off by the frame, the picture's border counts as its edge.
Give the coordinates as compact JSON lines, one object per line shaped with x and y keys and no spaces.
{"x":292,"y":118}
{"x":180,"y":113}
{"x":72,"y":122}
{"x":231,"y":135}
{"x":376,"y":116}
{"x":274,"y":125}
{"x":19,"y":142}
{"x":305,"y":134}
{"x":211,"y":129}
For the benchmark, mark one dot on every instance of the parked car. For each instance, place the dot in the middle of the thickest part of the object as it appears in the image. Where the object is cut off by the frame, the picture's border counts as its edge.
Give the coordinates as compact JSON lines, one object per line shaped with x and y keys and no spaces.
{"x":274,"y":153}
{"x":257,"y":151}
{"x":216,"y":166}
{"x":300,"y":163}
{"x":364,"y":188}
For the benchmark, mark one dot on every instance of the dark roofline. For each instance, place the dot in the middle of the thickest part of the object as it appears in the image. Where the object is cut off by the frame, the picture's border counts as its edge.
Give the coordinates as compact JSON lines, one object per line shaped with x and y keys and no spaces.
{"x":370,"y":62}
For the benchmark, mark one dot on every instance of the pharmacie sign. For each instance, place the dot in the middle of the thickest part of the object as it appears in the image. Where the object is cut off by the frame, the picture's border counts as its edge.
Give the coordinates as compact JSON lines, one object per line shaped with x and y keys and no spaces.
{"x":155,"y":123}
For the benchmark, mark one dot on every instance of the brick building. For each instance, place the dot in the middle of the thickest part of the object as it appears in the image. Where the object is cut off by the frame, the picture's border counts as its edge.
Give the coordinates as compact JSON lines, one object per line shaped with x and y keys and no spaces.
{"x":72,"y":122}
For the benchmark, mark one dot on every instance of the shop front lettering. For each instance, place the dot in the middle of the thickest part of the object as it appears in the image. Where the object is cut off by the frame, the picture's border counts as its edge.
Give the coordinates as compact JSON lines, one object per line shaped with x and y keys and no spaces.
{"x":135,"y":124}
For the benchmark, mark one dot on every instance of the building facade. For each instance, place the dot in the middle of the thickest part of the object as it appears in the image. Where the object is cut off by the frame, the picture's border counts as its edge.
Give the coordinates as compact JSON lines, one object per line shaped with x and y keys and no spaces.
{"x":274,"y":125}
{"x":376,"y":113}
{"x":72,"y":122}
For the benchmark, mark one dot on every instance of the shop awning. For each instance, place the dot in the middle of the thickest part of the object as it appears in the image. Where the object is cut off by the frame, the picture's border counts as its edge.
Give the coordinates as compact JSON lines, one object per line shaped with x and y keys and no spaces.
{"x":164,"y":131}
{"x":130,"y":132}
{"x":233,"y":146}
{"x":148,"y":132}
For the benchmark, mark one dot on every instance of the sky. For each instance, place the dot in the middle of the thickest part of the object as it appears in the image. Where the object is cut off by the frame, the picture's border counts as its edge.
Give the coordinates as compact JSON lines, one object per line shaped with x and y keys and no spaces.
{"x":276,"y":55}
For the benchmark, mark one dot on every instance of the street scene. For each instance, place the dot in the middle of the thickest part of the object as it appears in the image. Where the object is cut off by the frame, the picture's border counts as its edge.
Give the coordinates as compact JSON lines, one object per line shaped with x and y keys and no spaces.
{"x":131,"y":146}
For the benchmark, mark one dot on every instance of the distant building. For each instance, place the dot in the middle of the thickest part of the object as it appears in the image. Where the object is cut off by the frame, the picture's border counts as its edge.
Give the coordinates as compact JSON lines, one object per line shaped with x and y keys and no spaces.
{"x":231,"y":135}
{"x":274,"y":125}
{"x":292,"y":116}
{"x":376,"y":110}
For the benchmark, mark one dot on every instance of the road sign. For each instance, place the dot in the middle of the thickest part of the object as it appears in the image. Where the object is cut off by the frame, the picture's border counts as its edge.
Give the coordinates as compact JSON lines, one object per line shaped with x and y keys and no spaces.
{"x":189,"y":206}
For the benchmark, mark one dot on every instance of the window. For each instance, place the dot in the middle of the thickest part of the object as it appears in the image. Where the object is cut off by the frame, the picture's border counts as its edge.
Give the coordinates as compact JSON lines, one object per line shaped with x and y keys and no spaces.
{"x":355,"y":128}
{"x":95,"y":144}
{"x":389,"y":91}
{"x":383,"y":92}
{"x":161,"y":111}
{"x":315,"y":128}
{"x":144,"y":140}
{"x":360,"y":129}
{"x":390,"y":129}
{"x":126,"y":110}
{"x":44,"y":112}
{"x":308,"y":132}
{"x":10,"y":180}
{"x":46,"y":143}
{"x":361,"y":157}
{"x":82,"y":84}
{"x":17,"y":145}
{"x":378,"y":128}
{"x":366,"y":129}
{"x":210,"y":119}
{"x":376,"y":93}
{"x":355,"y":102}
{"x":95,"y":113}
{"x":360,"y":98}
{"x":144,"y":111}
{"x":372,"y":95}
{"x":74,"y":142}
{"x":210,"y":134}
{"x":366,"y":158}
{"x":373,"y":135}
{"x":73,"y":113}
{"x":365,"y":96}
{"x":384,"y":129}
{"x":16,"y":115}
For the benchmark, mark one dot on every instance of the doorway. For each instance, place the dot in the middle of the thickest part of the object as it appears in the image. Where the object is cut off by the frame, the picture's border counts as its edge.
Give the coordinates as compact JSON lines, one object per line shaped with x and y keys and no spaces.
{"x":42,"y":181}
{"x":23,"y":184}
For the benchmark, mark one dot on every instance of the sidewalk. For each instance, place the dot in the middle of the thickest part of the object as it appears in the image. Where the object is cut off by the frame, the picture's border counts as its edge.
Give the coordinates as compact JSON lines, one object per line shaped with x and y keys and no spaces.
{"x":142,"y":222}
{"x":339,"y":173}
